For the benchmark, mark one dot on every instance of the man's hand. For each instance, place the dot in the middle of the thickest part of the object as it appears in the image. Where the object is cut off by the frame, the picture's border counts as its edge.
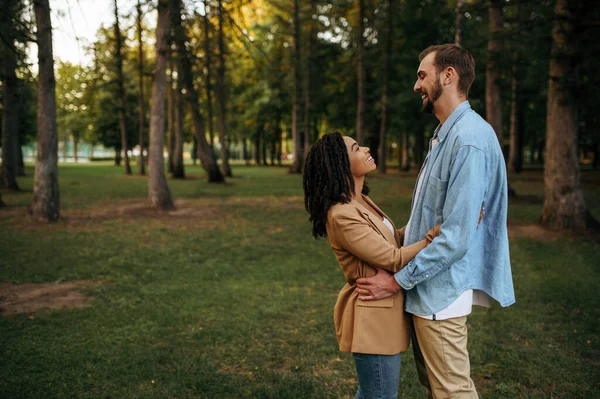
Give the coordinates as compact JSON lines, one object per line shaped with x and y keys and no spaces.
{"x":381,"y":285}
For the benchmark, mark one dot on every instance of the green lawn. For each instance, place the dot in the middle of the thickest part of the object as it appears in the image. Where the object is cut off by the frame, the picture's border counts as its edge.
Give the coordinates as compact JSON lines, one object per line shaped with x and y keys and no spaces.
{"x":231,"y":297}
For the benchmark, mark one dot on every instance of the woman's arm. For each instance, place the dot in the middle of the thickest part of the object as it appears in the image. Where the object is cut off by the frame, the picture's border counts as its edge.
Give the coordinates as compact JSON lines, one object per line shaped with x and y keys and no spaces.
{"x":357,"y":236}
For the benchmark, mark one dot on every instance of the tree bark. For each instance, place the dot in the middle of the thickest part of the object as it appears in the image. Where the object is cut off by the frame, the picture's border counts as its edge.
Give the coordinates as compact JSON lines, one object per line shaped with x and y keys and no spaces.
{"x":75,"y":147}
{"x":208,"y":66}
{"x":121,"y":93}
{"x":360,"y":68}
{"x":308,"y":79}
{"x":141,"y":84}
{"x":158,"y":190}
{"x":170,"y":120}
{"x":205,"y":152}
{"x":178,"y":168}
{"x":10,"y":116}
{"x":404,"y":164}
{"x":458,"y":25}
{"x":45,"y":203}
{"x":515,"y":159}
{"x":387,"y":66}
{"x":564,"y":204}
{"x":221,"y":97}
{"x":493,"y":95}
{"x":297,"y":99}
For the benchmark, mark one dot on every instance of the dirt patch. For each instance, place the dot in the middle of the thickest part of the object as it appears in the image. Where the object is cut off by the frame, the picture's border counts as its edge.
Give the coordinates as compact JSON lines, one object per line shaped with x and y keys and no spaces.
{"x":28,"y":298}
{"x":533,"y":231}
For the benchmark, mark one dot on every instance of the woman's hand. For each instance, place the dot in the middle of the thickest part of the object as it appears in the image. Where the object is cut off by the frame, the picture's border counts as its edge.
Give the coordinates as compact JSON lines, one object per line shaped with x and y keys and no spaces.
{"x":431,"y":234}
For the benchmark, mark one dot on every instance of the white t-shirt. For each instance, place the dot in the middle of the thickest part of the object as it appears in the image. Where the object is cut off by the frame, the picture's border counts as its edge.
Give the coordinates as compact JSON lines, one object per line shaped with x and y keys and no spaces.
{"x":463,"y":305}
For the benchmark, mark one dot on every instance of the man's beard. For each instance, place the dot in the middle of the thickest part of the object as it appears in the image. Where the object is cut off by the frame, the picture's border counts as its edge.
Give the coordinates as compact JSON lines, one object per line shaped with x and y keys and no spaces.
{"x":436,"y":93}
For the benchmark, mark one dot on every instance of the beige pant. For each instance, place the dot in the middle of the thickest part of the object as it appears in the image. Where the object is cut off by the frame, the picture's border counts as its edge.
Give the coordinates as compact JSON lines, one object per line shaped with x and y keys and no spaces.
{"x":442,"y":359}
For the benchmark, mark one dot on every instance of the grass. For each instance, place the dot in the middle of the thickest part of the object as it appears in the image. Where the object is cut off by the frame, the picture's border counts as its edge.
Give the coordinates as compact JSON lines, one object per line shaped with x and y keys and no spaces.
{"x":237,"y":302}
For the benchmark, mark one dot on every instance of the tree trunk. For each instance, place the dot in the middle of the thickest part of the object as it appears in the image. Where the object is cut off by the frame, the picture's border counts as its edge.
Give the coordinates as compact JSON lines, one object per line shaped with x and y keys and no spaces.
{"x":194,"y":153}
{"x":515,"y":159}
{"x":170,"y":120}
{"x":493,"y":96}
{"x":205,"y":152}
{"x":178,"y":168}
{"x":387,"y":66}
{"x":45,"y":204}
{"x":141,"y":84}
{"x":360,"y":50}
{"x":564,"y":204}
{"x":10,"y":116}
{"x":75,"y":147}
{"x":297,"y":97}
{"x":2,"y":204}
{"x":404,"y":163}
{"x":158,"y":190}
{"x":308,"y":78}
{"x":245,"y":152}
{"x":121,"y":93}
{"x":208,"y":66}
{"x":20,"y":162}
{"x":221,"y":96}
{"x":458,"y":25}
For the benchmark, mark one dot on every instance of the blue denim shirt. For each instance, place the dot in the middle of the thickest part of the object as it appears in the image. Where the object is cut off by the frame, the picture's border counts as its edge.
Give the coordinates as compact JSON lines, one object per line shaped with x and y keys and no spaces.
{"x":464,"y":172}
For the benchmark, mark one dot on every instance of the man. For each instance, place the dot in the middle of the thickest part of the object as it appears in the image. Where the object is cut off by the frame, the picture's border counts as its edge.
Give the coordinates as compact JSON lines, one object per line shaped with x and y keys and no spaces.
{"x":462,"y":184}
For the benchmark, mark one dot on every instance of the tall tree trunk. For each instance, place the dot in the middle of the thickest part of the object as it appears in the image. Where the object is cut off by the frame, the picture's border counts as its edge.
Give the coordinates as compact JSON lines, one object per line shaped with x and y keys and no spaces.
{"x":45,"y":204}
{"x":158,"y":190}
{"x":208,"y":66}
{"x":20,"y":162}
{"x":205,"y":152}
{"x":360,"y":72}
{"x":245,"y":152}
{"x":178,"y":168}
{"x":387,"y":66}
{"x":2,"y":204}
{"x":121,"y":93}
{"x":404,"y":157}
{"x":308,"y":78}
{"x":141,"y":84}
{"x":75,"y":147}
{"x":170,"y":119}
{"x":515,"y":159}
{"x":458,"y":24}
{"x":564,"y":204}
{"x":221,"y":96}
{"x":10,"y":115}
{"x":493,"y":96}
{"x":297,"y":99}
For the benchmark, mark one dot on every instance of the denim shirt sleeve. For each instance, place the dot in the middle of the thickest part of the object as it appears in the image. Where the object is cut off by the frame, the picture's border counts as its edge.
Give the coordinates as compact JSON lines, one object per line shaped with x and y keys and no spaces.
{"x":466,"y":190}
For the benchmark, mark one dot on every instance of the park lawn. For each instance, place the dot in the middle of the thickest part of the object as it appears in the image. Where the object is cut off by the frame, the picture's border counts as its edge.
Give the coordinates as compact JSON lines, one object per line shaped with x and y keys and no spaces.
{"x":231,"y":297}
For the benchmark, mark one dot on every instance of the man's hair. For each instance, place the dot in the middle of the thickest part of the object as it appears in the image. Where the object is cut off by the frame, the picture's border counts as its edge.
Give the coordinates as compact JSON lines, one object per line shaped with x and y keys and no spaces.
{"x":451,"y":55}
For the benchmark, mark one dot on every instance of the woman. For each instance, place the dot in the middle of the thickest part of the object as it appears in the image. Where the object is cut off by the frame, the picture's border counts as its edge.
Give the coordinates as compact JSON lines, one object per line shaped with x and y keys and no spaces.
{"x":361,"y":236}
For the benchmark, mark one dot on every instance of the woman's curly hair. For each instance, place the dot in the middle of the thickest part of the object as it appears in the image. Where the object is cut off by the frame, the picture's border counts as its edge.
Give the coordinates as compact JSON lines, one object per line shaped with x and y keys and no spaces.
{"x":327,"y":180}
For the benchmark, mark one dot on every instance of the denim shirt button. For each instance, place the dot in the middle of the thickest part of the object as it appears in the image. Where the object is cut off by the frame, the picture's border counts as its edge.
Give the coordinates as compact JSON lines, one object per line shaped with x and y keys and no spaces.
{"x":427,"y":276}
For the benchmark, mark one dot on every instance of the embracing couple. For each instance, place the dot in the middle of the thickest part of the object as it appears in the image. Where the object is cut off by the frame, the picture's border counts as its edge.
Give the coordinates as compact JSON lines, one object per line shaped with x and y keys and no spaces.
{"x":417,"y":283}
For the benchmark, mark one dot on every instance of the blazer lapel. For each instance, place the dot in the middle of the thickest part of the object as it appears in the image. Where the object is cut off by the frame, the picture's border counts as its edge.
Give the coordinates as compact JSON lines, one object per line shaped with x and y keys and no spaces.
{"x":378,"y":224}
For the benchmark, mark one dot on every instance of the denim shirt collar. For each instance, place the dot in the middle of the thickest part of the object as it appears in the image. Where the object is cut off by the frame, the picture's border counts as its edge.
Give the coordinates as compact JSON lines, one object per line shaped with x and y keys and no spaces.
{"x":442,"y":130}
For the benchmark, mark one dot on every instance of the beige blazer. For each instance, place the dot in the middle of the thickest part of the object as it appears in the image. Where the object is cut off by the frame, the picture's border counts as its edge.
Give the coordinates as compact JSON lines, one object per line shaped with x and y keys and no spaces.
{"x":360,"y":241}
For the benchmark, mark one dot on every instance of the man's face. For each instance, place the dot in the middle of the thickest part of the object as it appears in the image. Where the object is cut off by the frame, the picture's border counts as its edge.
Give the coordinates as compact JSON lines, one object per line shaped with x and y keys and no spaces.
{"x":428,"y":84}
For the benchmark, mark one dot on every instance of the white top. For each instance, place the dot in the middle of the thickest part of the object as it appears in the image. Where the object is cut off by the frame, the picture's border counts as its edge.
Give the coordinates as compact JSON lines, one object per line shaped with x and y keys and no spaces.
{"x":389,"y":225}
{"x":463,"y":305}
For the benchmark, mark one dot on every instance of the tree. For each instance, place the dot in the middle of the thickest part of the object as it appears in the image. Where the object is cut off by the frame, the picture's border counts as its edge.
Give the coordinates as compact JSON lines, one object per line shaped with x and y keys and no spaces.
{"x":297,"y":99}
{"x":121,"y":91}
{"x":141,"y":83}
{"x":360,"y":72}
{"x":208,"y":66}
{"x":459,"y":22}
{"x":158,"y":190}
{"x":10,"y":104}
{"x":387,"y":66}
{"x":178,"y":168}
{"x":205,"y":153}
{"x":221,"y":95}
{"x":308,"y":71}
{"x":515,"y":159}
{"x":493,"y":95}
{"x":10,"y":133}
{"x":46,"y":199}
{"x":564,"y":203}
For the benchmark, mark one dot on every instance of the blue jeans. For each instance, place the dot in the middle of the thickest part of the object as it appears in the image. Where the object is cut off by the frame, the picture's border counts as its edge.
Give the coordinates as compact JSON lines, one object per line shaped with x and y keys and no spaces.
{"x":378,"y":376}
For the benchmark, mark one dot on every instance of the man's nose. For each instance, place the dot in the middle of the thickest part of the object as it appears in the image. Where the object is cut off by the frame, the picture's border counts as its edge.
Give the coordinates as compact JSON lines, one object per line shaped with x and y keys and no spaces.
{"x":417,"y":86}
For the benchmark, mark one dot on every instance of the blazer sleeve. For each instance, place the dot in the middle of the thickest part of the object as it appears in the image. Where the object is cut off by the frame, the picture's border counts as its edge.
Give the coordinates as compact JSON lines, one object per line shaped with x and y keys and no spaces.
{"x":356,"y":236}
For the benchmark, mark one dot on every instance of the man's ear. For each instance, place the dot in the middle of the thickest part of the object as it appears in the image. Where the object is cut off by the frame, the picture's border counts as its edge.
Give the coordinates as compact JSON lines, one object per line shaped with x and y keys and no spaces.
{"x":449,"y":75}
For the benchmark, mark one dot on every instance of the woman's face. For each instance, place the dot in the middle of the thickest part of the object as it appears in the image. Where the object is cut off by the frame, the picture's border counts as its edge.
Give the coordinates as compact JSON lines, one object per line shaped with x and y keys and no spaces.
{"x":361,"y":161}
